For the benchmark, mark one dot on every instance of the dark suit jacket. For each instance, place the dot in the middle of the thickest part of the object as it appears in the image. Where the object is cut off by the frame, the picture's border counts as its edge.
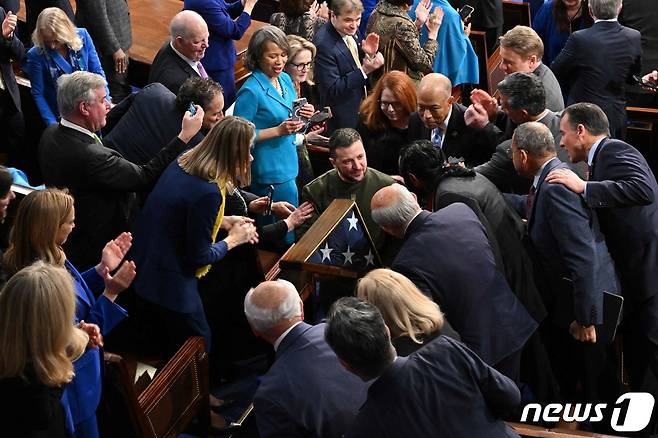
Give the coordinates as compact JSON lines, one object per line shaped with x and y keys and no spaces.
{"x":460,"y":141}
{"x":108,"y":23}
{"x":504,"y":229}
{"x":10,"y":49}
{"x":554,"y":99}
{"x":101,"y":181}
{"x":143,"y":123}
{"x":623,"y":190}
{"x":597,"y":63}
{"x":170,"y":69}
{"x":338,"y":78}
{"x":447,"y":255}
{"x":568,"y":244}
{"x":443,"y":389}
{"x":307,"y":392}
{"x":642,"y":16}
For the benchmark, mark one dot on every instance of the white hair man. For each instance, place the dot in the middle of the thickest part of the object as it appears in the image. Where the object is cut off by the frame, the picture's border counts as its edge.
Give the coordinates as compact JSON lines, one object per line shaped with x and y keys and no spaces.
{"x":447,"y":255}
{"x":306,"y":392}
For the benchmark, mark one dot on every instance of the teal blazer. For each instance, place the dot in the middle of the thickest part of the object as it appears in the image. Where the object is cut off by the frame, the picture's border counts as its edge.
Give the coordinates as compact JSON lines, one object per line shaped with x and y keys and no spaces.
{"x":275,"y":160}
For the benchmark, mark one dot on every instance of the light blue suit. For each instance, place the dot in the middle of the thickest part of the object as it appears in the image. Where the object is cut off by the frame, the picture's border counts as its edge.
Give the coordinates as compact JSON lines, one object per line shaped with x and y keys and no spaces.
{"x":45,"y":66}
{"x":275,"y":160}
{"x":82,"y":395}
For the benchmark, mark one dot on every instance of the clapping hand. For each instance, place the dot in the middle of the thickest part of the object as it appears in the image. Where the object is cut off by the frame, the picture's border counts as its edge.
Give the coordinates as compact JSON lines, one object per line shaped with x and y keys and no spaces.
{"x":8,"y":25}
{"x":117,"y":283}
{"x":476,"y":116}
{"x":583,"y":334}
{"x":229,"y":221}
{"x":115,"y":250}
{"x":370,"y":45}
{"x":489,"y":104}
{"x":434,"y":22}
{"x":94,"y":333}
{"x":422,"y":12}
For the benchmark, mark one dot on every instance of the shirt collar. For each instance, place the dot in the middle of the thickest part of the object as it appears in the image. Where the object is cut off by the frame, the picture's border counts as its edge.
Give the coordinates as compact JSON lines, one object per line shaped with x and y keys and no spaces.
{"x":444,"y":126}
{"x":412,"y":219}
{"x":283,"y":335}
{"x":609,"y":19}
{"x":592,"y":151}
{"x":535,"y":181}
{"x":78,"y":128}
{"x":193,"y":64}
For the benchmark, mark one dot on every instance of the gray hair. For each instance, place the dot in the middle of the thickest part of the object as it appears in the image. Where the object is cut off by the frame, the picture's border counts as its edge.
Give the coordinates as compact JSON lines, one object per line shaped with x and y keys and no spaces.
{"x":357,"y":333}
{"x":264,"y":319}
{"x":181,"y":23}
{"x":399,"y":214}
{"x":534,"y":138}
{"x":341,"y":6}
{"x":257,"y":41}
{"x":590,"y":115}
{"x":524,"y":92}
{"x":605,"y":9}
{"x":77,"y":87}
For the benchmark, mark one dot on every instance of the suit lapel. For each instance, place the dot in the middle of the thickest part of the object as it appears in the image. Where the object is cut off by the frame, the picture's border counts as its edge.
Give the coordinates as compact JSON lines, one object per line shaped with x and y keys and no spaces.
{"x":342,"y":47}
{"x":181,"y":62}
{"x":269,"y":89}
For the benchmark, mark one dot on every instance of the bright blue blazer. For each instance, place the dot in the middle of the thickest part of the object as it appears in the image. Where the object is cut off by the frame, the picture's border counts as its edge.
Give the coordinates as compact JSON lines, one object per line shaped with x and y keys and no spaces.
{"x":82,"y":395}
{"x":455,"y":56}
{"x":45,"y":66}
{"x":275,"y":160}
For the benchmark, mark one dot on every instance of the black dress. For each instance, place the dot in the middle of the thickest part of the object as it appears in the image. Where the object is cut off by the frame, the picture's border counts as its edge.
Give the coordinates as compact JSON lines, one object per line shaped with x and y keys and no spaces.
{"x":30,"y":409}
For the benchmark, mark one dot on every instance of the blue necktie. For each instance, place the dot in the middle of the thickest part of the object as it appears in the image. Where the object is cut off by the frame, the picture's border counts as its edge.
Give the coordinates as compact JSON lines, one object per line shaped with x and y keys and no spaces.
{"x":437,"y":135}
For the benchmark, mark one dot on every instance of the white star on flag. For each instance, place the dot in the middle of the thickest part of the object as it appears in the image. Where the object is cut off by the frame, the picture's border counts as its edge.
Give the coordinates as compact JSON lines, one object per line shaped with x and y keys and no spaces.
{"x":348,"y":255}
{"x":353,"y":221}
{"x":370,"y":258}
{"x":326,"y":251}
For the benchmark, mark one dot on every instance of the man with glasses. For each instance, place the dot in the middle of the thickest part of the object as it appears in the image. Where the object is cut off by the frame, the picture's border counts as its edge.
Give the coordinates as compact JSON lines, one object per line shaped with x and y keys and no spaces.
{"x":441,"y":120}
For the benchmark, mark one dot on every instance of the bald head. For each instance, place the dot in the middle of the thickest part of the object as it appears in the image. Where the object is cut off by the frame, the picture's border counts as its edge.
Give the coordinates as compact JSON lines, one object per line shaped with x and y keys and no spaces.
{"x":273,"y":306}
{"x":434,"y":99}
{"x":393,"y":208}
{"x":189,"y":34}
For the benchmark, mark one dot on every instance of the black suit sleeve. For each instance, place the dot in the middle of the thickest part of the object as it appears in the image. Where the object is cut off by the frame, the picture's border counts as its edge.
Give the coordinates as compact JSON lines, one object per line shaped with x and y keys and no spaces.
{"x":117,"y":112}
{"x":566,"y":62}
{"x":107,"y":169}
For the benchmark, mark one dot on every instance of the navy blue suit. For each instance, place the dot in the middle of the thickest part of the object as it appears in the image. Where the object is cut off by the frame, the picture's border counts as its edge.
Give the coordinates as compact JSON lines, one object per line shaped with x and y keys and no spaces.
{"x":447,"y":255}
{"x":597,"y":63}
{"x":568,"y":243}
{"x":173,"y":238}
{"x":623,"y":191}
{"x":307,"y":392}
{"x":443,"y":389}
{"x":339,"y":79}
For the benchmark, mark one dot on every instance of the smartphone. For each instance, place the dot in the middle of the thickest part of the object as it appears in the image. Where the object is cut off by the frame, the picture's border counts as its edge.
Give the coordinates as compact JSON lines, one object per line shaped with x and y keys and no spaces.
{"x":465,"y":13}
{"x":270,"y":193}
{"x":297,"y":105}
{"x":317,"y":119}
{"x":192,"y":108}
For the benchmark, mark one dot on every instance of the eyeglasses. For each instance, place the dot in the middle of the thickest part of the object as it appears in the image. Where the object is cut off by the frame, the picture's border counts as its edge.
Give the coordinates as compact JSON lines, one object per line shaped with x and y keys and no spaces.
{"x":395,"y":106}
{"x":302,"y":67}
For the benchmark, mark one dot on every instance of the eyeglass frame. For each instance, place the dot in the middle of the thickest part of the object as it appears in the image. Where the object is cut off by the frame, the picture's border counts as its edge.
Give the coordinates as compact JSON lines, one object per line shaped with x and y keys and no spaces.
{"x":395,"y":106}
{"x":300,"y":67}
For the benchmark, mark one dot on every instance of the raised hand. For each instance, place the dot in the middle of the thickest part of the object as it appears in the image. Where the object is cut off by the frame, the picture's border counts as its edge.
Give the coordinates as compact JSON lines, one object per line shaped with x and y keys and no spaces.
{"x":434,"y":22}
{"x":371,"y":44}
{"x":483,"y":98}
{"x":422,"y":12}
{"x":115,"y":250}
{"x":191,"y":124}
{"x":9,"y":25}
{"x":94,"y":333}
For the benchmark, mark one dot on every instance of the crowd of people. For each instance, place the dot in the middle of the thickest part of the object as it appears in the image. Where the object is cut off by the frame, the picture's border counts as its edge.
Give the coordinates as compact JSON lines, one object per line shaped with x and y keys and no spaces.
{"x":508,"y":227}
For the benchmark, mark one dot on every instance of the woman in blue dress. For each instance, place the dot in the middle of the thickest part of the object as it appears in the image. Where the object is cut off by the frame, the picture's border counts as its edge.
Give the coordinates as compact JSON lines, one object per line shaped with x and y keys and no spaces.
{"x":44,"y":220}
{"x":556,"y":20}
{"x":59,"y":48}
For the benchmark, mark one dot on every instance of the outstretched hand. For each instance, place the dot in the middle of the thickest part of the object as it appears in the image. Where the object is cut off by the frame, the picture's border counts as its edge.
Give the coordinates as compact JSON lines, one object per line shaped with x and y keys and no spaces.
{"x":299,"y":216}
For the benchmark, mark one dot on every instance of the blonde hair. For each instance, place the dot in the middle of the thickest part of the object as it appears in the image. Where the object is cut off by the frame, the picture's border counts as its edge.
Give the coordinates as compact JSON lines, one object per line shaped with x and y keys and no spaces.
{"x":56,"y":21}
{"x":33,"y":236}
{"x":223,"y":155}
{"x":524,"y":41}
{"x":37,"y":308}
{"x":404,"y":308}
{"x":297,"y":44}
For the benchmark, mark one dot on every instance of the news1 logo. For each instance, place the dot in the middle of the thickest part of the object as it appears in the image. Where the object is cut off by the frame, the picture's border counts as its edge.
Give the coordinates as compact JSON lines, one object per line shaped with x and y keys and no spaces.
{"x":630,"y":413}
